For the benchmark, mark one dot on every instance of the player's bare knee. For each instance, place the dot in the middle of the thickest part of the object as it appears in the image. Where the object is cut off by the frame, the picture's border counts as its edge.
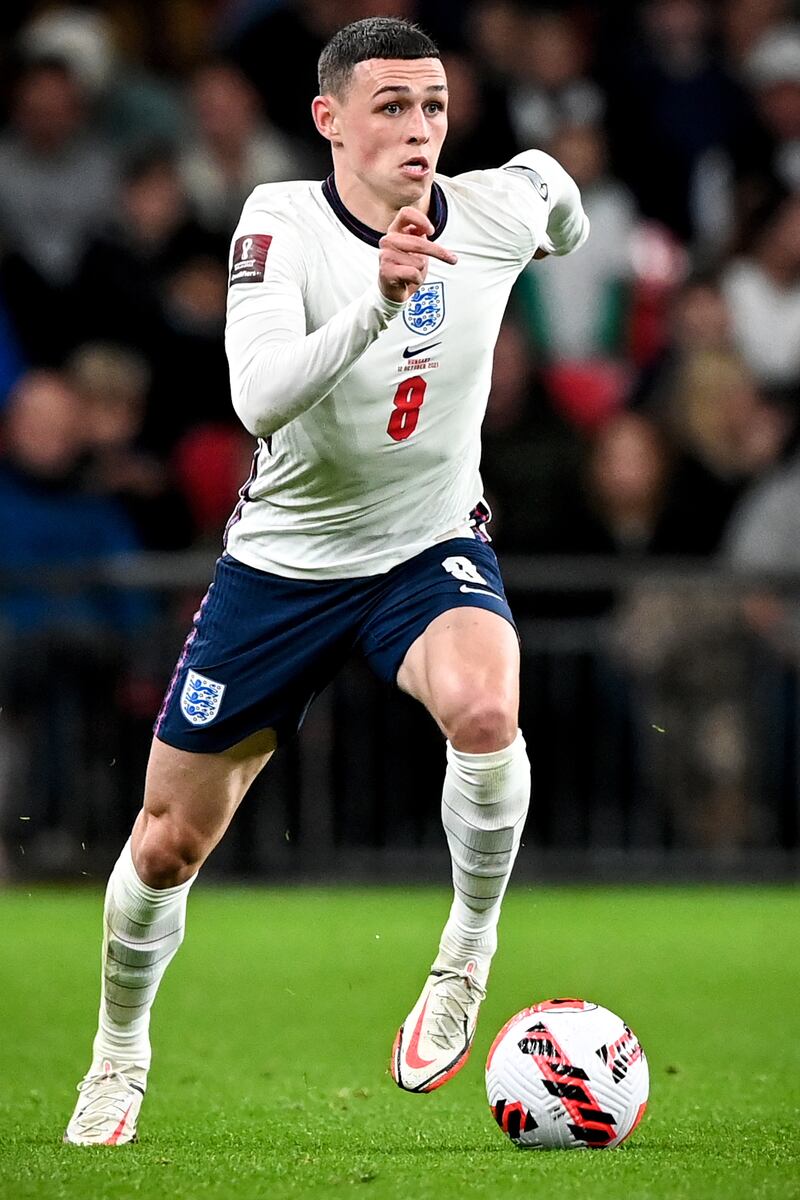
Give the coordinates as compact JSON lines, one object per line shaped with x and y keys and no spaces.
{"x":167,"y":853}
{"x":482,"y":725}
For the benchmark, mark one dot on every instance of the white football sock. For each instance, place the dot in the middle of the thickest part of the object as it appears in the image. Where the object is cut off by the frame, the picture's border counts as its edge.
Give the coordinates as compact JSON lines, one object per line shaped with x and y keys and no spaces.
{"x":484,"y":805}
{"x":142,"y":932}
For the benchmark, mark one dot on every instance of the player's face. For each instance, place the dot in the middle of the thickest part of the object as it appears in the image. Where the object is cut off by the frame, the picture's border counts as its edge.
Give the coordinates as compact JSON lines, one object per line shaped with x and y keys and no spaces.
{"x":391,"y":124}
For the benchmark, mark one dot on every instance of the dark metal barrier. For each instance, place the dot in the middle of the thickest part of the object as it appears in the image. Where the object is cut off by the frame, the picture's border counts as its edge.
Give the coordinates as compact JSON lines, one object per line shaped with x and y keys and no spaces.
{"x":659,"y":704}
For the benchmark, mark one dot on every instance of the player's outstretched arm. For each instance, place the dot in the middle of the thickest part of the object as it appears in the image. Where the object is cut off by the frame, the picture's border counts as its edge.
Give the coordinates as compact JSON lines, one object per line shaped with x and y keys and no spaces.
{"x":278,"y":370}
{"x":568,"y":224}
{"x":550,"y":187}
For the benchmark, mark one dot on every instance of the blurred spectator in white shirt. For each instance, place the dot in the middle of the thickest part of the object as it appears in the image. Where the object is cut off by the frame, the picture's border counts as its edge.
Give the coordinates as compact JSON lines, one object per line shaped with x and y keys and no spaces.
{"x":234,"y":148}
{"x":578,"y":307}
{"x":744,"y":22}
{"x":764,"y":536}
{"x":763,"y":295}
{"x":56,"y":180}
{"x":764,"y":532}
{"x":773,"y":70}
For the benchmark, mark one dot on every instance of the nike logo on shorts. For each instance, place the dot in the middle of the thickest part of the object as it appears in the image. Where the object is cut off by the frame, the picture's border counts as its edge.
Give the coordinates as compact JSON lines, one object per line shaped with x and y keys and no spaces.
{"x":465,"y":588}
{"x":416,"y":351}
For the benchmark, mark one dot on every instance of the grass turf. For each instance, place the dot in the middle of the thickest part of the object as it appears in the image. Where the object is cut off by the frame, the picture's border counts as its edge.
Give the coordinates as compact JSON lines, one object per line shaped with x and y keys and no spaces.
{"x":274,"y":1025}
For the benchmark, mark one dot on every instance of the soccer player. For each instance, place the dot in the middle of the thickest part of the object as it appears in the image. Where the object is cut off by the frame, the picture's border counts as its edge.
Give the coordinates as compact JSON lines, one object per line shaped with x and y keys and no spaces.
{"x":362,"y":320}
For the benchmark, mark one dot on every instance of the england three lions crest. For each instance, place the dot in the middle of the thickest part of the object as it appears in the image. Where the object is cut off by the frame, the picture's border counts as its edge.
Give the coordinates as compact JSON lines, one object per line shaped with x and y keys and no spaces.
{"x":201,"y":698}
{"x":424,"y":311}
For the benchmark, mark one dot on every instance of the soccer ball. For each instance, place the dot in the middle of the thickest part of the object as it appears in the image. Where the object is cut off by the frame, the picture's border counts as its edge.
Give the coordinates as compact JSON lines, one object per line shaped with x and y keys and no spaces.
{"x":567,"y":1074}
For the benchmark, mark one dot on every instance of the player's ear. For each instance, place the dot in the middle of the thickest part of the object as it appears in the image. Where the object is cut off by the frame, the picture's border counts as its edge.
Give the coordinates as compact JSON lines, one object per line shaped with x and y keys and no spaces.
{"x":323,"y":110}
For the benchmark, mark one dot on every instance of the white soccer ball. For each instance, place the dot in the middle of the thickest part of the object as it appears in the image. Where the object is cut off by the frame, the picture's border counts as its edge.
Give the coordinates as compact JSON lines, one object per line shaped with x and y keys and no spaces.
{"x":569,"y":1075}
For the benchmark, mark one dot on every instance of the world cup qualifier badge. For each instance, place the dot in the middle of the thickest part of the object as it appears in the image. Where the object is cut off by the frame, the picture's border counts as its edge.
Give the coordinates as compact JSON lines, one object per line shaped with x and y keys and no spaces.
{"x":201,"y":698}
{"x":249,"y":263}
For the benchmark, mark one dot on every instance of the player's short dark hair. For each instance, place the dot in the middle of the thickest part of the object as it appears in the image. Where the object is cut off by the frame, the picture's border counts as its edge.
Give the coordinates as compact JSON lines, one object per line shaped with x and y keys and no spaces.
{"x":374,"y":37}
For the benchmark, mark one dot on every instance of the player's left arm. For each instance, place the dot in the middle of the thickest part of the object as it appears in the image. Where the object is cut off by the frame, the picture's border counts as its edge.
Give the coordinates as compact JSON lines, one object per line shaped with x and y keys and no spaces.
{"x":547,"y":200}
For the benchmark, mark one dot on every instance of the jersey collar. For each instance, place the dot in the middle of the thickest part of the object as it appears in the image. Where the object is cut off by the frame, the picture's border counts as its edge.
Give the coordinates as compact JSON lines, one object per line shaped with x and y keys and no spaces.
{"x":437,"y":214}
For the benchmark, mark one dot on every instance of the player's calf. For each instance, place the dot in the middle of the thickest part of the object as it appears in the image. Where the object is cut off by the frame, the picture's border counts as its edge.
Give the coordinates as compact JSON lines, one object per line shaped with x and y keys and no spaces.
{"x":484,"y":805}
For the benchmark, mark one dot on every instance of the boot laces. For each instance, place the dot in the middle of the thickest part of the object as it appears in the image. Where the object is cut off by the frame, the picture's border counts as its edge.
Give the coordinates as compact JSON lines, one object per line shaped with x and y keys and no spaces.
{"x":455,"y":999}
{"x":108,"y":1095}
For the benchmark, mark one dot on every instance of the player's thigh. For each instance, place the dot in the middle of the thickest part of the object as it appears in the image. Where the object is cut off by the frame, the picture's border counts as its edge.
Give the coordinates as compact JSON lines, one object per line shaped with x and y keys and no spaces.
{"x":190,"y":798}
{"x":464,"y":668}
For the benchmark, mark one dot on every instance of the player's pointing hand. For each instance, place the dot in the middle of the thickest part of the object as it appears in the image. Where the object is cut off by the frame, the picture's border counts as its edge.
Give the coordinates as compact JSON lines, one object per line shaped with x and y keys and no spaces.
{"x":405,"y":250}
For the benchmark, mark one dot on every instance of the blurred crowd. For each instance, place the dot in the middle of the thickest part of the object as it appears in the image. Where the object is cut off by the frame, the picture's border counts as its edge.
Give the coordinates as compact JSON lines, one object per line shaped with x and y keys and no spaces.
{"x":646,"y":392}
{"x":646,"y":395}
{"x":645,"y":398}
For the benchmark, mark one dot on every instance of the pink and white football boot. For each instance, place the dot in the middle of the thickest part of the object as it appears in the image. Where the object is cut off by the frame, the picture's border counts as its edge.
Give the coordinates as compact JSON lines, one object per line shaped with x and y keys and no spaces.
{"x":434,"y":1041}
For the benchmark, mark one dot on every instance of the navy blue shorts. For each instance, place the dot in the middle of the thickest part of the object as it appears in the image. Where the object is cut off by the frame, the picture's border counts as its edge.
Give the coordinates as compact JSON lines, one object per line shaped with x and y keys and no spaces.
{"x":262,"y":647}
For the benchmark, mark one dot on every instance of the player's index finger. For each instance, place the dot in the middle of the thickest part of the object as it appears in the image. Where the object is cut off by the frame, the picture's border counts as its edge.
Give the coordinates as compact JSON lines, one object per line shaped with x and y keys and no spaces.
{"x":412,"y":243}
{"x":436,"y":251}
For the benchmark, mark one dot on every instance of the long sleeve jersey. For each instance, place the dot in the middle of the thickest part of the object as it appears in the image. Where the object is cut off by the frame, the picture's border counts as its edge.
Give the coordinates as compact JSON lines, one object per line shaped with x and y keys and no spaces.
{"x":368,"y":412}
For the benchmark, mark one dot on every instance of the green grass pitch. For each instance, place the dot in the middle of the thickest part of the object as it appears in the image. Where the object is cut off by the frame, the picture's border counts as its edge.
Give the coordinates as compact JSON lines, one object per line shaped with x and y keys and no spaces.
{"x":273,"y":1029}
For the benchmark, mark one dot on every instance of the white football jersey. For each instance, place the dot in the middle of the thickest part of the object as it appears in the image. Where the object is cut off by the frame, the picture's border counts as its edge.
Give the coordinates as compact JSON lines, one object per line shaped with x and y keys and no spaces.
{"x":368,"y":413}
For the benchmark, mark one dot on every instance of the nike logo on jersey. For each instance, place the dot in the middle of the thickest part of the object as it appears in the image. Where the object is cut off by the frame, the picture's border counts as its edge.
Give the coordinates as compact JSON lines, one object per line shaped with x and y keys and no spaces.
{"x":416,"y":351}
{"x":481,"y":592}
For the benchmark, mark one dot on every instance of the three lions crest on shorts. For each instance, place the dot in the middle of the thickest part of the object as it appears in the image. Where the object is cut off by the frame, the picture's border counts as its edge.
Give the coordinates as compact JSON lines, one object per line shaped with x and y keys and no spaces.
{"x":201,"y":698}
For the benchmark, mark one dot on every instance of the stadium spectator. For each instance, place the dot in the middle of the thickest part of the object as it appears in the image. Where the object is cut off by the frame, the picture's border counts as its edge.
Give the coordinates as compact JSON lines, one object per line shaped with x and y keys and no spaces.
{"x":677,"y":119}
{"x":492,"y":29}
{"x":530,"y":453}
{"x":299,"y":30}
{"x":550,"y":86}
{"x":744,"y":22}
{"x":155,"y":282}
{"x":678,"y":657}
{"x":764,"y":531}
{"x":478,"y":128}
{"x":701,"y":319}
{"x":234,"y":148}
{"x":56,"y":180}
{"x":763,"y":535}
{"x":686,"y":654}
{"x":56,"y":188}
{"x":637,"y":495}
{"x":112,"y":385}
{"x":48,"y":521}
{"x":718,"y":415}
{"x":190,"y":378}
{"x":130,"y":104}
{"x":698,"y":319}
{"x":772,"y":69}
{"x":119,"y":288}
{"x":762,"y":289}
{"x":62,"y":642}
{"x":582,"y":312}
